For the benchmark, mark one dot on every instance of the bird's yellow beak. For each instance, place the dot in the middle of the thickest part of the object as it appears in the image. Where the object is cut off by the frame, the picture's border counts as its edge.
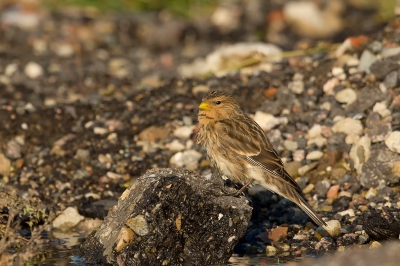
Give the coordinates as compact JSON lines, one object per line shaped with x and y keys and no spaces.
{"x":204,"y":106}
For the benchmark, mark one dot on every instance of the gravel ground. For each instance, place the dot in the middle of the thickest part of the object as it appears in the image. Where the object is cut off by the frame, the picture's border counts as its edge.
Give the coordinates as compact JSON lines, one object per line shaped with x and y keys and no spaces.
{"x":87,"y":105}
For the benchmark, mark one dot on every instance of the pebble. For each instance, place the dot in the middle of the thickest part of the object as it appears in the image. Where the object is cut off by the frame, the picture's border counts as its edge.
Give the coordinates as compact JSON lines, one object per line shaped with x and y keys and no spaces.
{"x":352,"y":62}
{"x":371,"y":193}
{"x":302,"y":182}
{"x":200,"y":89}
{"x":188,"y":159}
{"x":330,"y":85}
{"x":360,"y":152}
{"x":392,"y":141}
{"x":308,"y":188}
{"x":33,"y":70}
{"x":350,"y":126}
{"x":5,"y":165}
{"x":375,"y":244}
{"x":303,"y":170}
{"x":314,"y":155}
{"x":268,"y":121}
{"x":278,"y":233}
{"x":333,"y":227}
{"x":100,"y":130}
{"x":314,"y":131}
{"x":381,"y":108}
{"x":175,"y":145}
{"x":391,"y":80}
{"x":366,"y":60}
{"x":187,"y":120}
{"x":139,"y":225}
{"x":324,"y":244}
{"x":321,"y":188}
{"x":104,"y":159}
{"x":64,"y":50}
{"x":82,"y":155}
{"x":319,"y":141}
{"x":184,"y":132}
{"x":333,"y":192}
{"x":349,"y":212}
{"x":290,"y":145}
{"x":270,"y":251}
{"x":49,"y":102}
{"x":13,"y":150}
{"x":344,"y":194}
{"x":296,"y":86}
{"x":298,"y":155}
{"x":347,"y":96}
{"x":10,"y":69}
{"x":67,"y":219}
{"x":336,"y":71}
{"x":292,"y":168}
{"x":119,"y":67}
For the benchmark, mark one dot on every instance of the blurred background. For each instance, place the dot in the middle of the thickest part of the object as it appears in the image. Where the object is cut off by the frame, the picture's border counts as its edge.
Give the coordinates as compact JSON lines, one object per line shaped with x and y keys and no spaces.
{"x":144,"y":38}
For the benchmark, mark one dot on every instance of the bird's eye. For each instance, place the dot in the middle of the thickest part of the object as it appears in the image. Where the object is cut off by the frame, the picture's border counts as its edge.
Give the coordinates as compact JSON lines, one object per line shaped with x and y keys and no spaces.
{"x":218,"y":102}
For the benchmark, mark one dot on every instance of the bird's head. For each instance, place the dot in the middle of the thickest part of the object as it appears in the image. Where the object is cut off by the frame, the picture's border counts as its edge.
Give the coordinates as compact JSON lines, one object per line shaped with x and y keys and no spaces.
{"x":218,"y":105}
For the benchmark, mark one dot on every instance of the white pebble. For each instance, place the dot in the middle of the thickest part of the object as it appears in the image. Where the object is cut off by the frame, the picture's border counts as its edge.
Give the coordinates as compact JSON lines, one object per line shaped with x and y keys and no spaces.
{"x":10,"y":69}
{"x":268,"y":121}
{"x":393,"y":141}
{"x":348,"y":126}
{"x":333,"y":227}
{"x":100,"y":130}
{"x":347,"y":96}
{"x":349,"y":212}
{"x":33,"y":70}
{"x":337,"y":71}
{"x":184,"y":132}
{"x":314,"y":155}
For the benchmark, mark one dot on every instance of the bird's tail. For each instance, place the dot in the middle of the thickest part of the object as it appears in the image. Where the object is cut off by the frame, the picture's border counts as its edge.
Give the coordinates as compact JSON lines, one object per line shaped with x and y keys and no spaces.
{"x":300,"y":201}
{"x":294,"y":195}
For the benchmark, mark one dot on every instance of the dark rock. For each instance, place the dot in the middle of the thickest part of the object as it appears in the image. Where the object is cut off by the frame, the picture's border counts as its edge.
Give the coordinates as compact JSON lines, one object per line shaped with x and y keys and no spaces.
{"x":337,"y":141}
{"x":321,"y":188}
{"x":271,"y":107}
{"x":392,"y":79}
{"x":383,"y":165}
{"x":365,"y":100}
{"x":302,"y":182}
{"x":383,"y":67}
{"x":378,"y":128}
{"x":285,"y":97}
{"x":362,"y":239}
{"x":170,"y":217}
{"x":341,"y":204}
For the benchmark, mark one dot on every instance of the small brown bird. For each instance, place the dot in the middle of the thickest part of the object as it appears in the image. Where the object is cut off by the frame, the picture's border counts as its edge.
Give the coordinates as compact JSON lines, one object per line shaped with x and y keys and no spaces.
{"x":240,"y":149}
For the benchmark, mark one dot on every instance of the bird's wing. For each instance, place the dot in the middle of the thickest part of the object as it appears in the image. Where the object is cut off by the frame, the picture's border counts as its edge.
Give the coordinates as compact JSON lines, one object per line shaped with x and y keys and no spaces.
{"x":246,"y":138}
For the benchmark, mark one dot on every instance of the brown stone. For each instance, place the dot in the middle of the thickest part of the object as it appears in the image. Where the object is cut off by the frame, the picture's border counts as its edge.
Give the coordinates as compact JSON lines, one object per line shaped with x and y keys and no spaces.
{"x":333,"y":192}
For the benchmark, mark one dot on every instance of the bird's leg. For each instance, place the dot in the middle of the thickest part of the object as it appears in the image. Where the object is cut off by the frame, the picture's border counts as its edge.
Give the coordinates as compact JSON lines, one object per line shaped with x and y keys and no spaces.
{"x":244,"y":187}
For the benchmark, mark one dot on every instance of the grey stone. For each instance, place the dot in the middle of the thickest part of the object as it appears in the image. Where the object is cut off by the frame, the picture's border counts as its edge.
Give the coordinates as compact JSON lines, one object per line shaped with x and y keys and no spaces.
{"x":383,"y":164}
{"x":366,"y":99}
{"x":321,"y":188}
{"x":392,"y":79}
{"x":366,"y":61}
{"x":383,"y":67}
{"x":177,"y":217}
